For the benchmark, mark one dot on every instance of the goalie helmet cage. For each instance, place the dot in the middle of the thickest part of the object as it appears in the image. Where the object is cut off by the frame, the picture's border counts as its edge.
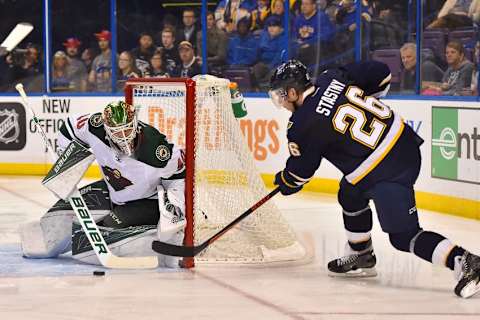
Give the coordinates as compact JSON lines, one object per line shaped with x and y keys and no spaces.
{"x":221,"y":178}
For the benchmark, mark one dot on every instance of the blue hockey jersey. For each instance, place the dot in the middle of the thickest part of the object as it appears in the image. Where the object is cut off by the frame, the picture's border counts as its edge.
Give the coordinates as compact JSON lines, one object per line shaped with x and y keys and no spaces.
{"x":340,"y":120}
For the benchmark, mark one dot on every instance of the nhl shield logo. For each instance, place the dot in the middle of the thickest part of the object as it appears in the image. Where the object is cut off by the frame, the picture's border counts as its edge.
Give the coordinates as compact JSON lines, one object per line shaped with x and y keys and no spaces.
{"x":162,"y":153}
{"x":12,"y":126}
{"x":9,"y":126}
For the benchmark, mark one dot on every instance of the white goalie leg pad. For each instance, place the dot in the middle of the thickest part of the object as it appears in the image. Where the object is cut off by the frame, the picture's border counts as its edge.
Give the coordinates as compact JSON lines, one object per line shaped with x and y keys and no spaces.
{"x":171,"y":204}
{"x":52,"y":235}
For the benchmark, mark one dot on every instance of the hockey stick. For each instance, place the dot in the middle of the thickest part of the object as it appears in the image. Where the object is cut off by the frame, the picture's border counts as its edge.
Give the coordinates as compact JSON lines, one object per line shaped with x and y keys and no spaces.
{"x":105,"y":256}
{"x":18,"y":33}
{"x":184,"y":251}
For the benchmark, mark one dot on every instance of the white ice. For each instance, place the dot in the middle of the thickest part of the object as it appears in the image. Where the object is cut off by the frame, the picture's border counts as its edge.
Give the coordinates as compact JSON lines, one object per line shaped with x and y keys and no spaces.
{"x":406,"y":287}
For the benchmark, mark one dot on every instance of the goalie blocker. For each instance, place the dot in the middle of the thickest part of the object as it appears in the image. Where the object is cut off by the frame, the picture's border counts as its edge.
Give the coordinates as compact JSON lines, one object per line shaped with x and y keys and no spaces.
{"x":68,"y":170}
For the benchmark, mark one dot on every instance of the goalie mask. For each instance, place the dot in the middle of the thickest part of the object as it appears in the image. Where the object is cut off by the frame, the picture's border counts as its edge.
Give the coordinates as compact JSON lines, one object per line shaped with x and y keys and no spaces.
{"x":120,"y":121}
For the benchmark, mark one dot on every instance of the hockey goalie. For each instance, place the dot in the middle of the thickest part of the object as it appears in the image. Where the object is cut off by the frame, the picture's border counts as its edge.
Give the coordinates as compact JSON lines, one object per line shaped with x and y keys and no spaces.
{"x":139,"y":199}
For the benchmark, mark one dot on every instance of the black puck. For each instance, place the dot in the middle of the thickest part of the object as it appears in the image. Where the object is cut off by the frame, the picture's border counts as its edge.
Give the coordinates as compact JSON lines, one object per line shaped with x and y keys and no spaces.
{"x":98,"y":273}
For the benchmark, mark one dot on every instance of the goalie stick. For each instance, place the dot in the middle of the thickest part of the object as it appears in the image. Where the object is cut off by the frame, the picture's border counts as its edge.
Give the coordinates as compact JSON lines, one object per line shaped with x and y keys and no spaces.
{"x":105,"y":256}
{"x":16,"y":36}
{"x":187,"y":251}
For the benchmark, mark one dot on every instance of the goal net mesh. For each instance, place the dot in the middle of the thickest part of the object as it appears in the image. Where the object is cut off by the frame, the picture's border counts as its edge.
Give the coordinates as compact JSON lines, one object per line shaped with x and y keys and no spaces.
{"x":225,"y":180}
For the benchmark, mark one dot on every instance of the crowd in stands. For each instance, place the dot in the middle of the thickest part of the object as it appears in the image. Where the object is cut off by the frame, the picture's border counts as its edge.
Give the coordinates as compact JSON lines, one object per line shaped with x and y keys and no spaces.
{"x":250,"y":35}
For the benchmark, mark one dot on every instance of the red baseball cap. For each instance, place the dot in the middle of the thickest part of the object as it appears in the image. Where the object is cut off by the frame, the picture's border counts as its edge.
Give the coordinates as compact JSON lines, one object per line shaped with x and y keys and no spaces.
{"x":72,"y":43}
{"x":103,"y":35}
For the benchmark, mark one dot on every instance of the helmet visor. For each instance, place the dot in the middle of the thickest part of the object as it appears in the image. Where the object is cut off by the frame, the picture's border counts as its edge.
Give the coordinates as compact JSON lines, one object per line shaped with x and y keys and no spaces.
{"x":279,"y":97}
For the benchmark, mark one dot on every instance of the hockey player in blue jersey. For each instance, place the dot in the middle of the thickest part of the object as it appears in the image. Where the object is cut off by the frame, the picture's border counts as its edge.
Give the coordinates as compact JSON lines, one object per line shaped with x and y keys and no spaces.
{"x":341,"y":119}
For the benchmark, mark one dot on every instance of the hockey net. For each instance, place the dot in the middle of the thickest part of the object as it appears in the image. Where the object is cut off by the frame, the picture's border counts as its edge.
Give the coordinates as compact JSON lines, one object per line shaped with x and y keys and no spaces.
{"x":222,"y":180}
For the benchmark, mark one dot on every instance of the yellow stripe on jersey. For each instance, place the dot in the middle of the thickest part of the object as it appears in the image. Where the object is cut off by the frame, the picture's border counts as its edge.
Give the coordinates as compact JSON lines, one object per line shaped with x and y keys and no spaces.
{"x":372,"y":161}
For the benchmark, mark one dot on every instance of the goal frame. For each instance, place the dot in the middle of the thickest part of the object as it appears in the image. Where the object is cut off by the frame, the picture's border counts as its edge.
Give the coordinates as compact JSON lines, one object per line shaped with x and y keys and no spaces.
{"x":190,"y":118}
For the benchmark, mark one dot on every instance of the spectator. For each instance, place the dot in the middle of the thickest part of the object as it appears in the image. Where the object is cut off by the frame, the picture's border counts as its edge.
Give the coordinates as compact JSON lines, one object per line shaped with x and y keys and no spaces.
{"x":170,"y":51}
{"x":458,"y":76}
{"x":270,"y":53}
{"x":61,"y":78}
{"x":474,"y":85}
{"x":346,"y":21}
{"x":78,"y":71}
{"x":26,"y":67}
{"x":189,"y":66}
{"x":157,"y":69}
{"x":243,"y":47}
{"x":329,"y":8}
{"x":260,"y":14}
{"x":229,"y":12}
{"x":312,"y":28}
{"x":169,"y":21}
{"x":216,"y":45}
{"x":126,"y":69}
{"x":457,"y":14}
{"x":189,"y":30}
{"x":87,"y":57}
{"x":430,"y":72}
{"x":277,"y":12}
{"x":100,"y":77}
{"x":143,"y":53}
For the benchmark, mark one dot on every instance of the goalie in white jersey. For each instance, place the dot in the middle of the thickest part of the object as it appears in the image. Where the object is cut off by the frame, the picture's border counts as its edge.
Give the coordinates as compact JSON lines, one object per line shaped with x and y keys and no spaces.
{"x":140,"y":199}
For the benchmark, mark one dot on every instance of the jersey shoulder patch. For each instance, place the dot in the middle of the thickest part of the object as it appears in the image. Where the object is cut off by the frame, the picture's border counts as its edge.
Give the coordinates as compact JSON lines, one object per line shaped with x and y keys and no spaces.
{"x":154,"y":149}
{"x":95,"y":126}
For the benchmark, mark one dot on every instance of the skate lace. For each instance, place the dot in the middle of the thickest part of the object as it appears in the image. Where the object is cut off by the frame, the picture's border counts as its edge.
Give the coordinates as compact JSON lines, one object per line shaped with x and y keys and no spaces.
{"x":347,"y":259}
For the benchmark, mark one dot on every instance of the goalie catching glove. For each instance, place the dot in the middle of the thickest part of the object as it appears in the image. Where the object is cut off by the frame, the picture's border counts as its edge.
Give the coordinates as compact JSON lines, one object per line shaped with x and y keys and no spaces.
{"x":288,"y":182}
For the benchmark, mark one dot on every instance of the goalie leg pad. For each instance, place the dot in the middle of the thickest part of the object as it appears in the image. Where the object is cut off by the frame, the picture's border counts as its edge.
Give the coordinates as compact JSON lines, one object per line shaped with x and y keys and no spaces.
{"x":52,"y":235}
{"x":127,"y":242}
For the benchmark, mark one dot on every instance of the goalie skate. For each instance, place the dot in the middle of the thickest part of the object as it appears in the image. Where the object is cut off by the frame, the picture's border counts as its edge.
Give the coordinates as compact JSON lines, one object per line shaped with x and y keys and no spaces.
{"x":354,"y":264}
{"x":467,"y":271}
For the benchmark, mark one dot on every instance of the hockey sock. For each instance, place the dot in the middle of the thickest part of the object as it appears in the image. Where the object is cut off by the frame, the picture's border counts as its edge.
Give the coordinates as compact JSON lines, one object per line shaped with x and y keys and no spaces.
{"x":435,"y":248}
{"x":360,"y":246}
{"x":455,"y":252}
{"x":358,"y":225}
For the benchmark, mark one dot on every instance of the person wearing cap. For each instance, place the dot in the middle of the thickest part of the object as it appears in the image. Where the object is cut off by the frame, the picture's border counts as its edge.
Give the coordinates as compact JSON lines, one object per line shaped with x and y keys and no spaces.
{"x":100,"y":76}
{"x":77,"y":68}
{"x":270,"y":53}
{"x":189,"y":66}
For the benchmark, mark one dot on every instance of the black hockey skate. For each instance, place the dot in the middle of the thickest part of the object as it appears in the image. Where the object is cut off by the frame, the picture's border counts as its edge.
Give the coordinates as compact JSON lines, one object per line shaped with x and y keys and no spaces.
{"x":467,"y":270}
{"x":353,"y":265}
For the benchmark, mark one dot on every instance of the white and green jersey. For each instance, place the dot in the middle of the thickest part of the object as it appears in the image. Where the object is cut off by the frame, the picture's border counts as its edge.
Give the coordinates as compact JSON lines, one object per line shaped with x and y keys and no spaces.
{"x":128,"y":178}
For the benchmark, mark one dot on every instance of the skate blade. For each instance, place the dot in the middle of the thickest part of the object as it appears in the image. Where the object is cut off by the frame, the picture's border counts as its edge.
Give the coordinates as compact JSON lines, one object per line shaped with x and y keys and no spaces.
{"x":470,"y":289}
{"x":359,"y":273}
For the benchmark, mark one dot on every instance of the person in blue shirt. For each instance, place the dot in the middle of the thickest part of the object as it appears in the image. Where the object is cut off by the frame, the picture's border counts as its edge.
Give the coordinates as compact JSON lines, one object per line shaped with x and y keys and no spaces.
{"x":312,"y":30}
{"x":243,"y":47}
{"x":271,"y":50}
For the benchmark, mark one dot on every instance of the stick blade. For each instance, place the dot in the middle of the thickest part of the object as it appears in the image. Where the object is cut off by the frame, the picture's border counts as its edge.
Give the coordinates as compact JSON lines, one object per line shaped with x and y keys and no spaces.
{"x":173,"y":250}
{"x":18,"y":33}
{"x":115,"y":262}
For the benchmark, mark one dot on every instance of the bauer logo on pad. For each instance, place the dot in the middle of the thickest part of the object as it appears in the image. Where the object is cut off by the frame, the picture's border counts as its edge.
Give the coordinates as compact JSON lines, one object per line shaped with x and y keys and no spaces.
{"x":13,"y":129}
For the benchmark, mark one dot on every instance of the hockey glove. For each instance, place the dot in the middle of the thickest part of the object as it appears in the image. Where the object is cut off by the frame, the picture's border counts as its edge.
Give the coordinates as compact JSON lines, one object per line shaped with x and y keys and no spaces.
{"x":288,"y":183}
